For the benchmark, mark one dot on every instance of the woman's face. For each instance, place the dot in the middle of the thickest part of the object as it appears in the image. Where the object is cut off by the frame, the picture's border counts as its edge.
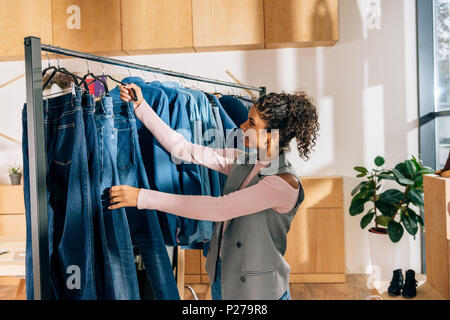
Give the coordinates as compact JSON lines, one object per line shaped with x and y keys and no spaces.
{"x":254,"y":129}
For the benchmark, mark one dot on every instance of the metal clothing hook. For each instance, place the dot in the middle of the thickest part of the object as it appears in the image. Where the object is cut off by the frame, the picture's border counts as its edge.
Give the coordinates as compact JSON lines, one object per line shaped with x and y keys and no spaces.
{"x":57,"y":59}
{"x":87,"y":63}
{"x":48,"y":58}
{"x":103,"y":69}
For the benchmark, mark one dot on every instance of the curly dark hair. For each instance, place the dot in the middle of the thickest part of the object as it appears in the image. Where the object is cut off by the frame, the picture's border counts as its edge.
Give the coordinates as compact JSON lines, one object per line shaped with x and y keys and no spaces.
{"x":295,"y":116}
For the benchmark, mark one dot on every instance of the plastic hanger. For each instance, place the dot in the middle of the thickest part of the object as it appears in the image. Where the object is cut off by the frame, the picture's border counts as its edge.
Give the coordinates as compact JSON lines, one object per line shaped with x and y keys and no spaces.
{"x":76,"y":79}
{"x":90,"y":74}
{"x":134,"y":98}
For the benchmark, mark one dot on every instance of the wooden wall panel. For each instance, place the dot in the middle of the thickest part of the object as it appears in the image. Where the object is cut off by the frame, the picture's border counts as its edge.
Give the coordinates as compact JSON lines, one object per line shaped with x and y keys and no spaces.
{"x":11,"y":199}
{"x":13,"y":225}
{"x":152,"y":26}
{"x":22,"y":18}
{"x":301,"y":23}
{"x":99,"y":29}
{"x":316,"y":242}
{"x":322,"y":192}
{"x":228,"y":24}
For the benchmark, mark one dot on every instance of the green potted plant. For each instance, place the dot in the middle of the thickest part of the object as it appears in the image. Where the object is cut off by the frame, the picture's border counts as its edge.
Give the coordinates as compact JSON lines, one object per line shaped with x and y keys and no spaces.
{"x":15,"y":174}
{"x":391,"y":210}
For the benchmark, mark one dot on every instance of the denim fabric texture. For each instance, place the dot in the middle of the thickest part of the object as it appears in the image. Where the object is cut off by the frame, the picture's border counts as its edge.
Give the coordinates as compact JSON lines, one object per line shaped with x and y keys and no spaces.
{"x":189,"y":174}
{"x":144,"y":225}
{"x":71,"y":242}
{"x":120,"y":248}
{"x":234,"y":107}
{"x":162,"y":173}
{"x":102,"y":263}
{"x":216,"y":293}
{"x":204,"y":228}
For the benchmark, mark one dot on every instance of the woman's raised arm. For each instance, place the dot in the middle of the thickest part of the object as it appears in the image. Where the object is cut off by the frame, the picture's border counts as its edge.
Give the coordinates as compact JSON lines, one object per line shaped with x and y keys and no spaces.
{"x":216,"y":159}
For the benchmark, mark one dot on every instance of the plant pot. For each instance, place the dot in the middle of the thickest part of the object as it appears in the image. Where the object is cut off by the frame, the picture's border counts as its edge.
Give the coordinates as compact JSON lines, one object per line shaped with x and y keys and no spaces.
{"x":15,"y":178}
{"x":387,"y":256}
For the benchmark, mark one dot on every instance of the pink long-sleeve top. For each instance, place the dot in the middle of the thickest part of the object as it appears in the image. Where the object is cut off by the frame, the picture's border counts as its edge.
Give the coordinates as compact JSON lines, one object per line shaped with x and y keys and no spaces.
{"x":270,"y":192}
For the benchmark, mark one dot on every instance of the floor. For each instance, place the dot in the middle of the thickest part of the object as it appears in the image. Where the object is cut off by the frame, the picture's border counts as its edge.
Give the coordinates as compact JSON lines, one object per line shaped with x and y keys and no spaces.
{"x":355,"y":288}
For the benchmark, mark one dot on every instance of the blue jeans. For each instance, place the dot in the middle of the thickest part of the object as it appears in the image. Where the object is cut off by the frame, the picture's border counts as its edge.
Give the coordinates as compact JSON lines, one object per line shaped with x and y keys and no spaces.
{"x":117,"y":231}
{"x":162,"y":172}
{"x":216,"y":292}
{"x":144,"y":226}
{"x":69,"y":198}
{"x":104,"y":283}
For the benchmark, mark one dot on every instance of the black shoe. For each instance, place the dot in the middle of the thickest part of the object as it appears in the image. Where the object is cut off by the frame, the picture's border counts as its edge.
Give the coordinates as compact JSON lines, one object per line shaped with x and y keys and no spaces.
{"x":409,"y":289}
{"x":396,"y":283}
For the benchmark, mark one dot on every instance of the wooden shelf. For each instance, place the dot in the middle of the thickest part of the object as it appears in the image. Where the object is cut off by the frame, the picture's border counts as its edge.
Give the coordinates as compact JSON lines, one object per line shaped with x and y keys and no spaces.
{"x":301,"y":23}
{"x":100,"y":27}
{"x":228,"y":24}
{"x":155,"y":26}
{"x":12,"y":263}
{"x":437,"y":232}
{"x":20,"y":19}
{"x":11,"y":199}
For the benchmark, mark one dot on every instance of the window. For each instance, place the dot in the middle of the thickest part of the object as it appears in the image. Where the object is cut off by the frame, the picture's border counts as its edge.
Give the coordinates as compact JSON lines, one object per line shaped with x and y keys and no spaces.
{"x":442,"y":78}
{"x":433,"y":62}
{"x":442,"y":53}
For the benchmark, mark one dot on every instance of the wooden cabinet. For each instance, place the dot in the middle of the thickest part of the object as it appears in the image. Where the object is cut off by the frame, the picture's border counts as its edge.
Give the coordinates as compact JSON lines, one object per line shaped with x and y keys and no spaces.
{"x":315,"y":245}
{"x":228,"y":24}
{"x":22,"y":18}
{"x":437,"y":232}
{"x":152,"y":26}
{"x":301,"y":23}
{"x":88,"y":26}
{"x":12,"y":211}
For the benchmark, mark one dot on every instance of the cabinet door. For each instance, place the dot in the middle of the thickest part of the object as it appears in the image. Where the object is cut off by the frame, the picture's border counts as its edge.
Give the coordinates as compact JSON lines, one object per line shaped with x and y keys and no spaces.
{"x":20,"y":19}
{"x":315,"y":243}
{"x":152,"y":26}
{"x":88,"y":26}
{"x":228,"y":24}
{"x":301,"y":23}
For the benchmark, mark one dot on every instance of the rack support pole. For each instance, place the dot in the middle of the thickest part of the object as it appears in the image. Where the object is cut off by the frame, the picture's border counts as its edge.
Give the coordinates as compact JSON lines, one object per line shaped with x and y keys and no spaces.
{"x":37,"y":169}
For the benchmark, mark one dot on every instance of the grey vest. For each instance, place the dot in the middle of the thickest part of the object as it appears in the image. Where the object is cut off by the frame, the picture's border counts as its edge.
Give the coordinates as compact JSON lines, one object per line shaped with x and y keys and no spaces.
{"x":253,"y":267}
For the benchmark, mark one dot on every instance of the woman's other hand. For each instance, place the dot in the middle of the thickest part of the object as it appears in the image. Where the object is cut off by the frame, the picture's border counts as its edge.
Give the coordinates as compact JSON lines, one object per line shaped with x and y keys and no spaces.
{"x":123,"y":196}
{"x":127,"y":94}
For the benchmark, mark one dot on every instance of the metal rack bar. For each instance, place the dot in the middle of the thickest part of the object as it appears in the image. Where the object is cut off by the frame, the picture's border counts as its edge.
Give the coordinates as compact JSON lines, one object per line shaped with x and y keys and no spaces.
{"x":36,"y":146}
{"x":132,"y":65}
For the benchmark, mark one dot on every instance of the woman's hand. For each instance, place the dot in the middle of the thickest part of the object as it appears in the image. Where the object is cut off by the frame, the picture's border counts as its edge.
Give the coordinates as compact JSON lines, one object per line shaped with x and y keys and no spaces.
{"x":123,"y":196}
{"x":126,"y":94}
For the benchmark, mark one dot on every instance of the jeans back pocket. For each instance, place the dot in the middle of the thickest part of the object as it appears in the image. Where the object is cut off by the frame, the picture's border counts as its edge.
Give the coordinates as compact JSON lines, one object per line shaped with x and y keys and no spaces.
{"x":125,"y":148}
{"x":63,"y":147}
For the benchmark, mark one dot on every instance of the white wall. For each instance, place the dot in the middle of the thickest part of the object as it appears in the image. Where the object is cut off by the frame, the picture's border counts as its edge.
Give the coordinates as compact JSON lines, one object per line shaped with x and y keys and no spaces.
{"x":365,"y":88}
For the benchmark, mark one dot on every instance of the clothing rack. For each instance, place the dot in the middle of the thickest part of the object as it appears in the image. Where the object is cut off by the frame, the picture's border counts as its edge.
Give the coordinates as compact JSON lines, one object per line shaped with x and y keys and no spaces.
{"x":36,"y":145}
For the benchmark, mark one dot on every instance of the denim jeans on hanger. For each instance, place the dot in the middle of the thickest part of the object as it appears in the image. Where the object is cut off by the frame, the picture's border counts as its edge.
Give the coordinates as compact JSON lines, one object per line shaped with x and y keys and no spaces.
{"x":189,"y":173}
{"x":104,"y":283}
{"x":204,"y":228}
{"x":144,"y":225}
{"x":120,"y":248}
{"x":234,"y":107}
{"x":162,"y":173}
{"x":69,"y":196}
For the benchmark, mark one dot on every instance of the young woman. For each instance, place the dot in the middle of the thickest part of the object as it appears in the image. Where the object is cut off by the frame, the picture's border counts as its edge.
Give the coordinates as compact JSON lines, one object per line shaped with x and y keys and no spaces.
{"x":259,"y":201}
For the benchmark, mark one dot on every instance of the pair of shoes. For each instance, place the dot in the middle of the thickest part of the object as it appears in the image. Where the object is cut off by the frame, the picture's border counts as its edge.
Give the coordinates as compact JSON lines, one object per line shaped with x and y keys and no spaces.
{"x":408,"y":288}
